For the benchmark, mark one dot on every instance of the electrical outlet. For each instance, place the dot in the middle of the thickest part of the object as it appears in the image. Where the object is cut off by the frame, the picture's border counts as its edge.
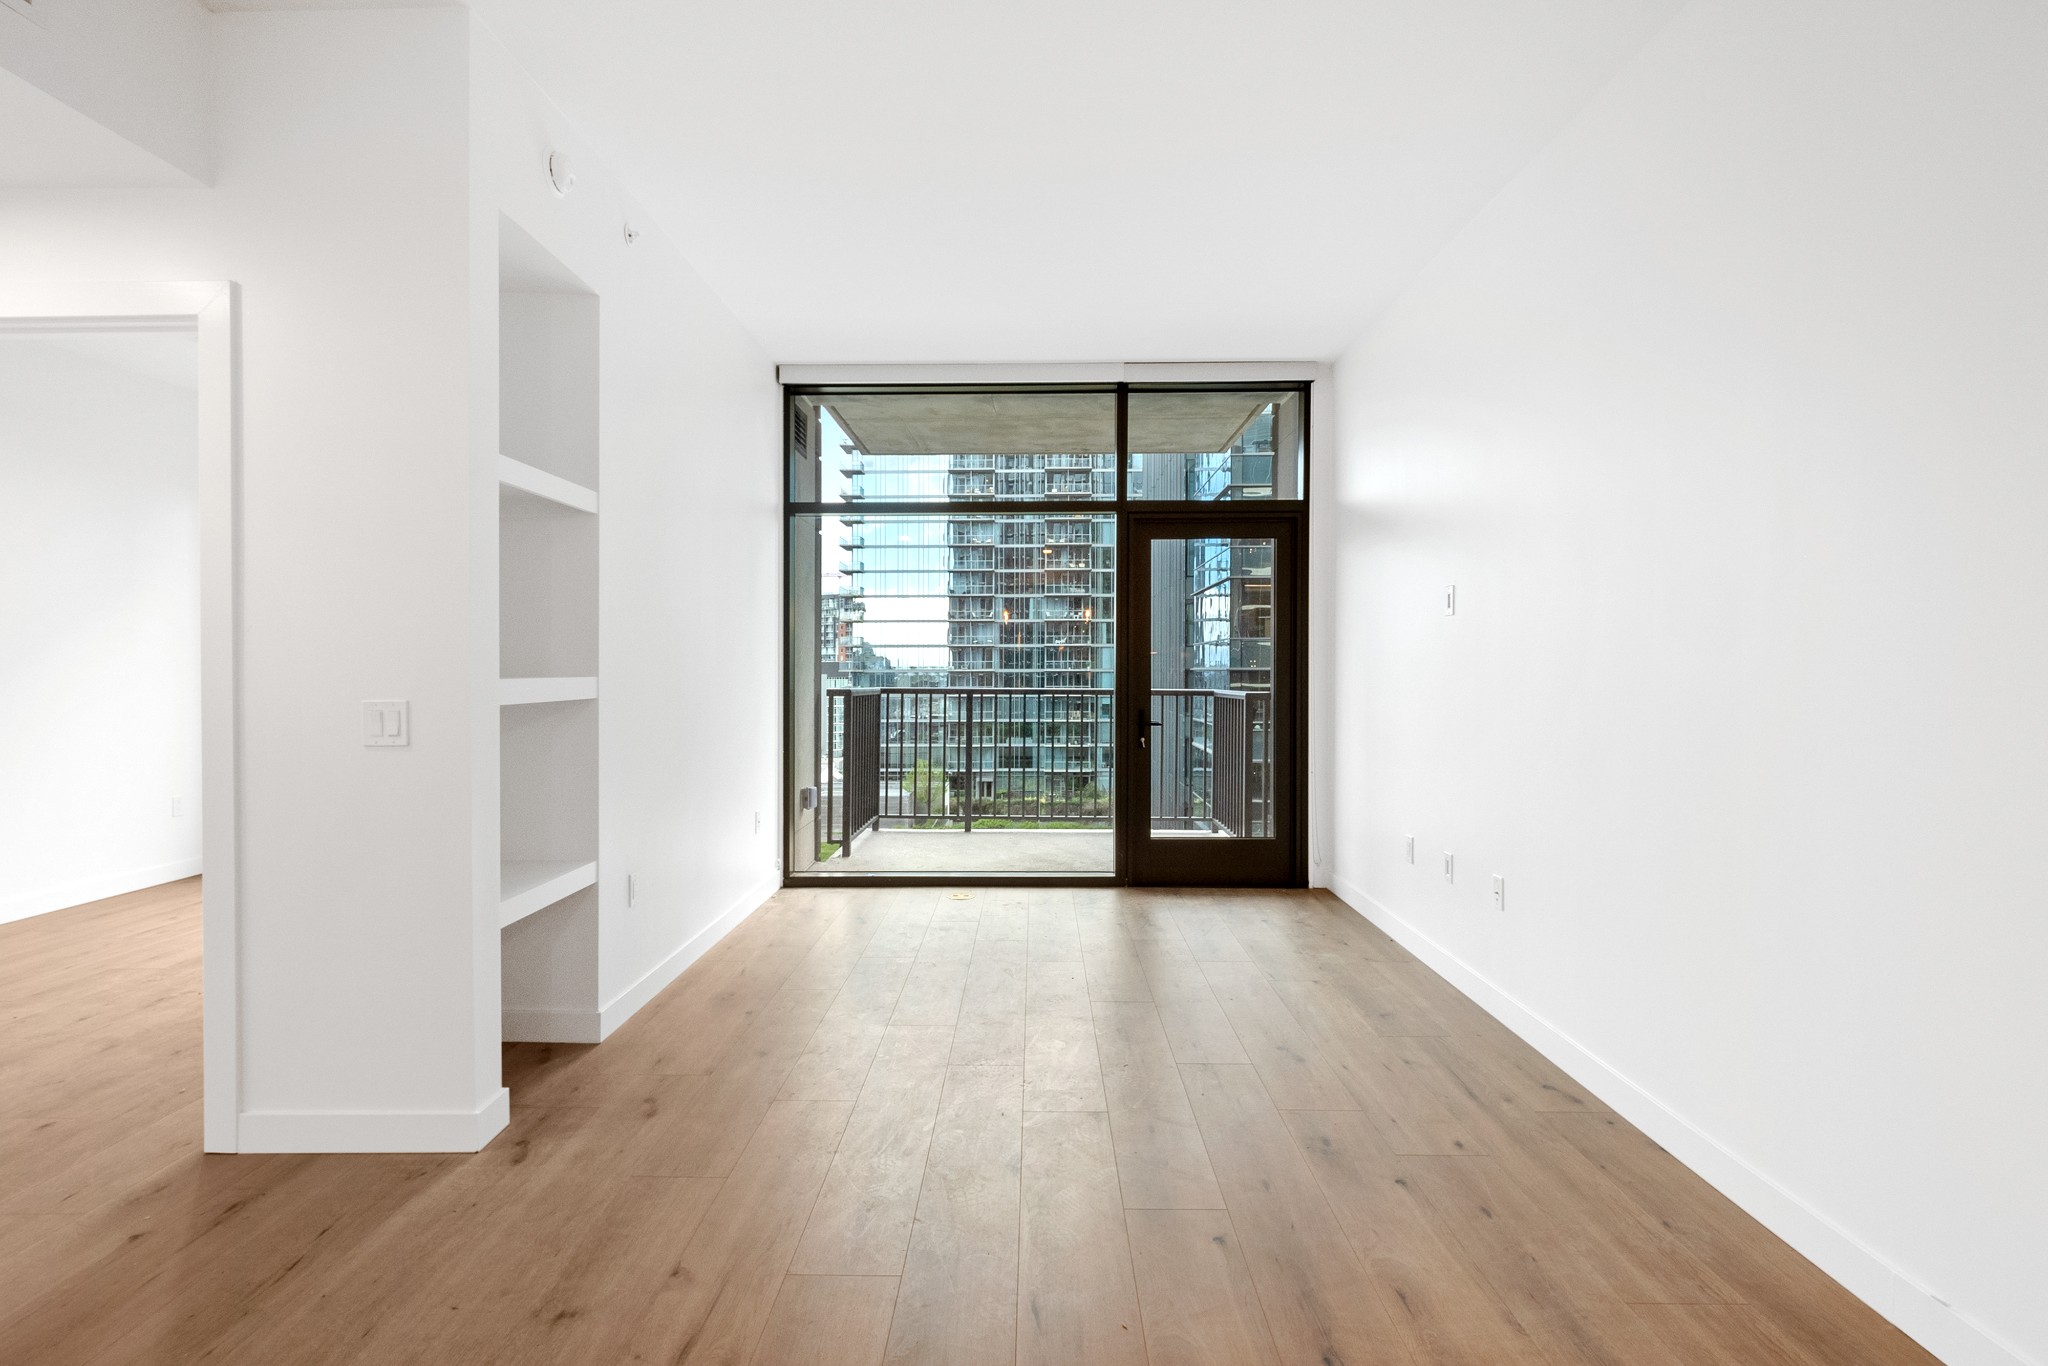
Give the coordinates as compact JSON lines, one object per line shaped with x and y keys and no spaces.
{"x":1411,"y":848}
{"x":1450,"y":867}
{"x":1500,"y":892}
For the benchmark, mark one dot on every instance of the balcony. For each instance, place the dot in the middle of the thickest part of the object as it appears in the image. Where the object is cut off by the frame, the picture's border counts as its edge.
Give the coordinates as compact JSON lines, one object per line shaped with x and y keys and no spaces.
{"x":919,"y":779}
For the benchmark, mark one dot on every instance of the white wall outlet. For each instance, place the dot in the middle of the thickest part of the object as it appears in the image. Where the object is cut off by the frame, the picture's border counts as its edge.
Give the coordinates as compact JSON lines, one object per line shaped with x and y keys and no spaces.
{"x":1410,"y":840}
{"x":387,"y":722}
{"x":631,"y":891}
{"x":1450,"y":599}
{"x":1450,"y":867}
{"x":1500,"y":892}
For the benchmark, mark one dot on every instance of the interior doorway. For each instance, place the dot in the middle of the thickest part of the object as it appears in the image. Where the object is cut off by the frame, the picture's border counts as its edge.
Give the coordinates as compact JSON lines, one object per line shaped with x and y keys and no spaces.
{"x":191,"y":324}
{"x":970,"y":633}
{"x":99,"y":614}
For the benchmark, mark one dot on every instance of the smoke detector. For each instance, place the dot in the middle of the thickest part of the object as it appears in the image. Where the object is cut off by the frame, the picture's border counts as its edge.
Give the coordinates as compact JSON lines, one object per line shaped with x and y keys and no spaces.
{"x":559,"y":174}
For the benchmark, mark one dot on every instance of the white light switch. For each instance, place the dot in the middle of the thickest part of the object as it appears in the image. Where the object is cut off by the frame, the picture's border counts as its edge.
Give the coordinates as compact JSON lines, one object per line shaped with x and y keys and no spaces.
{"x":1411,"y":848}
{"x":1450,"y":866}
{"x":387,"y":722}
{"x":1500,"y":892}
{"x":1450,"y":599}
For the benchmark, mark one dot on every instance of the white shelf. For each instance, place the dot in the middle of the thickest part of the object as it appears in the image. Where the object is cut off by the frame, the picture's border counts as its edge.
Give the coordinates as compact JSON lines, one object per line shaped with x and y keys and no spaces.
{"x":517,"y":474}
{"x":515,"y":692}
{"x":526,"y":887}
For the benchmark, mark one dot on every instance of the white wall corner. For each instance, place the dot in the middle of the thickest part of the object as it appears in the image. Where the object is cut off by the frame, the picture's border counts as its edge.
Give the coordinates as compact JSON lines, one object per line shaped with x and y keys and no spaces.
{"x":96,"y":889}
{"x":623,"y":1006}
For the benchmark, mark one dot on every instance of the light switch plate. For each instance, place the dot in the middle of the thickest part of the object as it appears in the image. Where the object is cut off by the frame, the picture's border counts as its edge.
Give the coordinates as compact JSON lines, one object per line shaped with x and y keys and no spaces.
{"x":387,"y":722}
{"x":1500,"y":892}
{"x":1450,"y":599}
{"x":1450,"y":866}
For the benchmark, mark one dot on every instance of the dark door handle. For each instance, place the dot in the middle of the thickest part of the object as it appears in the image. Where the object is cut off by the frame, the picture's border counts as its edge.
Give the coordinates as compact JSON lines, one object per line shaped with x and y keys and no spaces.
{"x":1145,"y":730}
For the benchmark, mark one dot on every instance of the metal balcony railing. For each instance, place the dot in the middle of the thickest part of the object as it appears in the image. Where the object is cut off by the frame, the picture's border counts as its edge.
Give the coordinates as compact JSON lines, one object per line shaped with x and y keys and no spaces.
{"x":958,"y":757}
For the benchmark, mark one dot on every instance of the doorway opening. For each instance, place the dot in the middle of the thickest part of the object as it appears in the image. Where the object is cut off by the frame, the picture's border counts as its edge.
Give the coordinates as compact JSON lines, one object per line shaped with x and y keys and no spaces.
{"x":985,"y":610}
{"x":122,"y":448}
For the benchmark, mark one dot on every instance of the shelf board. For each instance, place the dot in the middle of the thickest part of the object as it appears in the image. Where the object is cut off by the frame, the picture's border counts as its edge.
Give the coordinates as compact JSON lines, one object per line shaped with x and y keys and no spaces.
{"x":517,"y":474}
{"x":514,"y":692}
{"x":528,"y":886}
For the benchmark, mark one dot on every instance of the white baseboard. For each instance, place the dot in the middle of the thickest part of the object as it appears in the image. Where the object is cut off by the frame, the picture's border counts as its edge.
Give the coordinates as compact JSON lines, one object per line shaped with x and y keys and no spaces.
{"x":623,"y":1006}
{"x":1951,"y":1335}
{"x":77,"y":893}
{"x":352,"y":1131}
{"x":552,"y":1026}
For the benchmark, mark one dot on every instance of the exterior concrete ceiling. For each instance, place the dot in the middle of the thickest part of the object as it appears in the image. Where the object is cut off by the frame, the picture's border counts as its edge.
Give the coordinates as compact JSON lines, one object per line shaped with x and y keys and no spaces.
{"x":1041,"y":424}
{"x":928,"y":181}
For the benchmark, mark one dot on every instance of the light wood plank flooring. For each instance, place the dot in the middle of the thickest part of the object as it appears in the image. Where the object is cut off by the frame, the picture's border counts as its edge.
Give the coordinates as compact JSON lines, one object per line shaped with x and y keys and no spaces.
{"x":901,"y":1126}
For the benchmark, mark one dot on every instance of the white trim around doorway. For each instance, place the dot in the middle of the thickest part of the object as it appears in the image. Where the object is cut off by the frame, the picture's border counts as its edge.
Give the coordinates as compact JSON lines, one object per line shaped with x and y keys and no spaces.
{"x":210,"y":310}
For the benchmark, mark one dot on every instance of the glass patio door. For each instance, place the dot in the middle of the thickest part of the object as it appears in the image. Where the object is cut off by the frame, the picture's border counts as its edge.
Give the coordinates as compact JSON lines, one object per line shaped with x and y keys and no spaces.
{"x":1211,"y":696}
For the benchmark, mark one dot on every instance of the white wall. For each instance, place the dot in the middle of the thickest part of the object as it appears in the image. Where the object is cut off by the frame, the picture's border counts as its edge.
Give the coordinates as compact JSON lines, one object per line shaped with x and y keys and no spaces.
{"x":99,"y":616}
{"x":690,"y":574}
{"x":340,"y":205}
{"x":139,"y":68}
{"x":1727,"y":419}
{"x":358,"y":157}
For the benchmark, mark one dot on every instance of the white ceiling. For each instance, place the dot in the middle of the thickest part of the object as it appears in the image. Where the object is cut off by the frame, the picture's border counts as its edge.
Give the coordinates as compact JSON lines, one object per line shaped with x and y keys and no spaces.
{"x":940,"y":180}
{"x":45,"y":143}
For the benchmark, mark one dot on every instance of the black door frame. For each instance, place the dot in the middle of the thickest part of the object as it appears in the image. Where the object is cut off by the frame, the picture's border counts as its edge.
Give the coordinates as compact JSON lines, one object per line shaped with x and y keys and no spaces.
{"x":1127,"y":512}
{"x":1281,"y":861}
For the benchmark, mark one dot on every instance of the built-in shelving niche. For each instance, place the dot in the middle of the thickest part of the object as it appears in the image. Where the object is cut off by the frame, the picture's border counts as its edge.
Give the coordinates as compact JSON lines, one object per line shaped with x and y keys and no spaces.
{"x":548,"y":528}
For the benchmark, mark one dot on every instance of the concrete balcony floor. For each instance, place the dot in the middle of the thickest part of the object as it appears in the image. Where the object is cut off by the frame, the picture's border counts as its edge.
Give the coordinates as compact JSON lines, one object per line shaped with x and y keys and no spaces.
{"x":978,"y":851}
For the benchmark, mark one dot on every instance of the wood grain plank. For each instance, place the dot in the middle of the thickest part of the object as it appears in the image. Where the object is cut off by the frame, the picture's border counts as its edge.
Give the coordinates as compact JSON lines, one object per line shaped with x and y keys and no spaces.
{"x":1077,"y":1302}
{"x":1292,"y":1068}
{"x":931,"y":993}
{"x":1206,"y":929}
{"x":828,"y":1321}
{"x":1055,"y":936}
{"x":1062,"y":1068}
{"x":1161,"y":1161}
{"x":1443,"y":1308}
{"x":835,"y":1060}
{"x":707,"y":1136}
{"x":958,"y":1301}
{"x":1195,"y":1291}
{"x":1389,"y":1077}
{"x":1559,"y":1299}
{"x":714,"y":1304}
{"x":1320,"y":1302}
{"x":861,"y":1223}
{"x":1713,"y":1334}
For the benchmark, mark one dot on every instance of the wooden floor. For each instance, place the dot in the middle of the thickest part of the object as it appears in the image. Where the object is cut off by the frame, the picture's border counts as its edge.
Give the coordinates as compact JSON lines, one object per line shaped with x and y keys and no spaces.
{"x":896,"y":1126}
